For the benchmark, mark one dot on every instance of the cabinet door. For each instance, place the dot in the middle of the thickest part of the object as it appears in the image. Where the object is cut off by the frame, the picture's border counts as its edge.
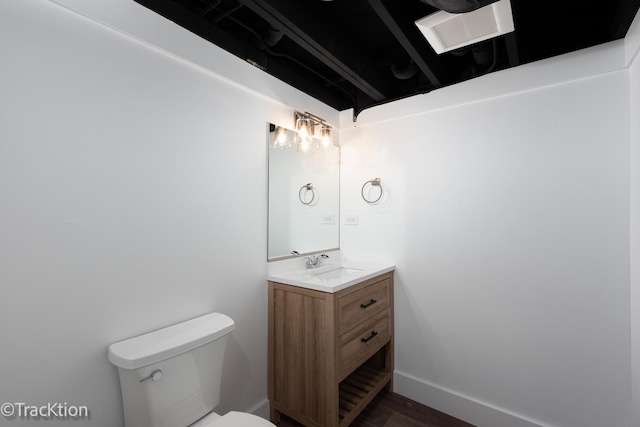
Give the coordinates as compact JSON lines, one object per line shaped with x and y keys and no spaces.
{"x":299,"y":354}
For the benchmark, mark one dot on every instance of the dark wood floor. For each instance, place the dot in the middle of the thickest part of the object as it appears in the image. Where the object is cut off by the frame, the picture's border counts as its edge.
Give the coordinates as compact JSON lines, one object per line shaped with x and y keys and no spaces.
{"x":393,"y":410}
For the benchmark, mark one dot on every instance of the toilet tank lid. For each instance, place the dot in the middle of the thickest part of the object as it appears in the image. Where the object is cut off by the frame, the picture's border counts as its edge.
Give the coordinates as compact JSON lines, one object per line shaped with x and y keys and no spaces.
{"x":168,"y":342}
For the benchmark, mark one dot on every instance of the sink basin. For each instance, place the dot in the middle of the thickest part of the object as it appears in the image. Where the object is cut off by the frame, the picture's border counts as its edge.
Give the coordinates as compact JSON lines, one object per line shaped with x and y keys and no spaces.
{"x":336,"y":273}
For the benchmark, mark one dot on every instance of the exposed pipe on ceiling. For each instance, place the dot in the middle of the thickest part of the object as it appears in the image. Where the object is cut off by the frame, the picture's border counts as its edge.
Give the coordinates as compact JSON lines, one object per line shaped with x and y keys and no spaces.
{"x":269,"y":41}
{"x":404,"y":72}
{"x":272,"y":36}
{"x":458,"y":6}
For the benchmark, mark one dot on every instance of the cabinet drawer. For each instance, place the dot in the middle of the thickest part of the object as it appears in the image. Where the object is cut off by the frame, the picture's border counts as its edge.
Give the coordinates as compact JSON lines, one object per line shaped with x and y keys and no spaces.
{"x":361,"y":305}
{"x":360,"y":343}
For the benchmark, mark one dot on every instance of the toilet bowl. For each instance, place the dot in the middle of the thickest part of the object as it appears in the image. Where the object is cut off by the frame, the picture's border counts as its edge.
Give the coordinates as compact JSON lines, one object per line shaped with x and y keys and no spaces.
{"x":171,"y":377}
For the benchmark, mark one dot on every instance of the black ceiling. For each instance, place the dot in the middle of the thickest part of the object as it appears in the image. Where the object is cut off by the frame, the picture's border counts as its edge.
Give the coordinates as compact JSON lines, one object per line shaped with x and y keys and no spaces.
{"x":360,"y":53}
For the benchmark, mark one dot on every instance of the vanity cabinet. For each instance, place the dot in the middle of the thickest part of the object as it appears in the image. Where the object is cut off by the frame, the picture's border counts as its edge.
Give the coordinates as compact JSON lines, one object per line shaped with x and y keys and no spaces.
{"x":329,"y":353}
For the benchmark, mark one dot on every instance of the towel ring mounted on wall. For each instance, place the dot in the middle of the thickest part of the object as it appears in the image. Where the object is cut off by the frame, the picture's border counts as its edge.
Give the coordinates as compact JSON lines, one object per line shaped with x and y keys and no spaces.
{"x":375,"y":182}
{"x":303,"y":196}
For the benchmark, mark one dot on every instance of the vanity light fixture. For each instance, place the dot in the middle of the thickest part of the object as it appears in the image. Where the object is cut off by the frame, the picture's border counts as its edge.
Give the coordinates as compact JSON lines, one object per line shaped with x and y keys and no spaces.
{"x":305,"y":129}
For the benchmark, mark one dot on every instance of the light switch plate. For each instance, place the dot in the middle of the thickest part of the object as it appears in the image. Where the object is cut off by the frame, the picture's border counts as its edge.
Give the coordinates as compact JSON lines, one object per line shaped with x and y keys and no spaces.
{"x":351,"y":219}
{"x":328,"y":219}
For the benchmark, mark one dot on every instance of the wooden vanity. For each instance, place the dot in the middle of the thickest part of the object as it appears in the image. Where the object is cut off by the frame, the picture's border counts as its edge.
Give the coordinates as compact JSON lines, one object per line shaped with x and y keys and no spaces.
{"x":329,"y":353}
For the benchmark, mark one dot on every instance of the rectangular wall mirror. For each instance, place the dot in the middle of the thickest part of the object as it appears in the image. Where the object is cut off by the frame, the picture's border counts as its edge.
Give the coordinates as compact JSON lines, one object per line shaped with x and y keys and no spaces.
{"x":304,"y":197}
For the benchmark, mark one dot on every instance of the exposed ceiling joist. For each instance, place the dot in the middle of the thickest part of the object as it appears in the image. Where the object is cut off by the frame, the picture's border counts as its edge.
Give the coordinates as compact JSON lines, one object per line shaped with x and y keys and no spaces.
{"x":335,"y":53}
{"x":511,"y":41}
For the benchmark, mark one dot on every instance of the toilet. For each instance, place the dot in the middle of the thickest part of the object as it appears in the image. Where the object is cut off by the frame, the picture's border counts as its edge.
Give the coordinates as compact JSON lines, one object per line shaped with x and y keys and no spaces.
{"x":171,"y":377}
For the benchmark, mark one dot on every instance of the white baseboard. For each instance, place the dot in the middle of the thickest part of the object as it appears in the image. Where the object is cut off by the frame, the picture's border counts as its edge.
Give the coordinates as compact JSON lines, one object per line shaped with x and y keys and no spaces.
{"x":261,"y":409}
{"x":472,"y":411}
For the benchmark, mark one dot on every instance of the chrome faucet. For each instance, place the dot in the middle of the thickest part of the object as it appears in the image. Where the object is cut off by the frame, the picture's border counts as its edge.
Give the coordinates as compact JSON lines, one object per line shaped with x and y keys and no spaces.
{"x":312,"y":261}
{"x":315,"y":261}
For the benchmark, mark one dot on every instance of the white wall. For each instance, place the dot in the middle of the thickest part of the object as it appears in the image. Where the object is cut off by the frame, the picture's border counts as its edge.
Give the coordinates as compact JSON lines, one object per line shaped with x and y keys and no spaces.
{"x":133,"y":195}
{"x":635,"y":228}
{"x":508,"y":220}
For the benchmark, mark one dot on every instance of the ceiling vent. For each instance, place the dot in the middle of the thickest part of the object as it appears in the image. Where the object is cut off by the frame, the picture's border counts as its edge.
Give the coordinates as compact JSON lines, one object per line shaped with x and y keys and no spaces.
{"x":447,"y":31}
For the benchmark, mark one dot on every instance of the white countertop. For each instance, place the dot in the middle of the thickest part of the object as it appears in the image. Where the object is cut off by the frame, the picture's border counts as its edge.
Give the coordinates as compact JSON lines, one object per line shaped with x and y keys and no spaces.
{"x":332,"y":277}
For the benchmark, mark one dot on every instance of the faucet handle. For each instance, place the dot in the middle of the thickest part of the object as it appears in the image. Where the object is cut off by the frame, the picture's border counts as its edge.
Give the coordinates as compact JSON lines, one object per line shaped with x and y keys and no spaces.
{"x":318,"y":260}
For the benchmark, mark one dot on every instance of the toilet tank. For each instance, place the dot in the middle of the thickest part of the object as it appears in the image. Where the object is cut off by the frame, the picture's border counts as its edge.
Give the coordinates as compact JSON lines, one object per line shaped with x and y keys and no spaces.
{"x":171,"y":377}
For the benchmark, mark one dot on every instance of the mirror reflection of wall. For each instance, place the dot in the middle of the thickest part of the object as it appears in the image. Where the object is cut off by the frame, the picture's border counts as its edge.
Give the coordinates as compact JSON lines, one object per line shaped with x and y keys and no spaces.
{"x":301,"y":219}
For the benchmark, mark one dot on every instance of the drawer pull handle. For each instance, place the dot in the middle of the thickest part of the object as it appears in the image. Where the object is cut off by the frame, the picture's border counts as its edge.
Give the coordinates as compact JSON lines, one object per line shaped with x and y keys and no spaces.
{"x":373,"y":334}
{"x":370,"y":303}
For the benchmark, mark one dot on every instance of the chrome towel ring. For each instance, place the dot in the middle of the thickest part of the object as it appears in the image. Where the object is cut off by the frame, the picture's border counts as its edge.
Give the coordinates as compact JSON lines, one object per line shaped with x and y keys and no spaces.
{"x":375,"y":182}
{"x":303,"y":196}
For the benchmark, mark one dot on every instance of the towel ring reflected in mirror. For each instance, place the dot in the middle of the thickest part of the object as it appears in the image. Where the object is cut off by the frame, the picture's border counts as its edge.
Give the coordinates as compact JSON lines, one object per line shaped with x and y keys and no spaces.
{"x":375,"y":182}
{"x":303,"y":196}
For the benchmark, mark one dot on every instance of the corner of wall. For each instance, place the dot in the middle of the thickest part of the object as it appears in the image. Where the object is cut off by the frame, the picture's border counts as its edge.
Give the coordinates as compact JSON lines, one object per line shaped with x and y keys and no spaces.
{"x":632,"y":41}
{"x":262,"y":409}
{"x":632,"y":49}
{"x":634,"y":214}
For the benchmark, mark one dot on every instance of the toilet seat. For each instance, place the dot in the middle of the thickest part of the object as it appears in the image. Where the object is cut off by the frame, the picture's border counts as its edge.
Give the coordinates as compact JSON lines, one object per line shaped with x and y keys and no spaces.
{"x":233,"y":419}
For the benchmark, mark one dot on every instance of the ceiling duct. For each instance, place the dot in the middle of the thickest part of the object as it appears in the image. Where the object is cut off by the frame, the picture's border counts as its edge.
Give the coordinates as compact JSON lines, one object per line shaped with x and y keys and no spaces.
{"x":404,"y":72}
{"x":272,"y":36}
{"x":458,"y":6}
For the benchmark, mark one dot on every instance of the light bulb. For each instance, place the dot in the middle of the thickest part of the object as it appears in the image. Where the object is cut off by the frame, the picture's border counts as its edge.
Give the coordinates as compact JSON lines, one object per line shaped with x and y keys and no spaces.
{"x":280,"y":139}
{"x":325,"y":137}
{"x":304,"y":144}
{"x":303,"y":128}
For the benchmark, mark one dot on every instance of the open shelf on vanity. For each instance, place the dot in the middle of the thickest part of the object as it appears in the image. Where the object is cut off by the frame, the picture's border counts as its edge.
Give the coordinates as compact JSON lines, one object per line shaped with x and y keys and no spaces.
{"x":358,"y":389}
